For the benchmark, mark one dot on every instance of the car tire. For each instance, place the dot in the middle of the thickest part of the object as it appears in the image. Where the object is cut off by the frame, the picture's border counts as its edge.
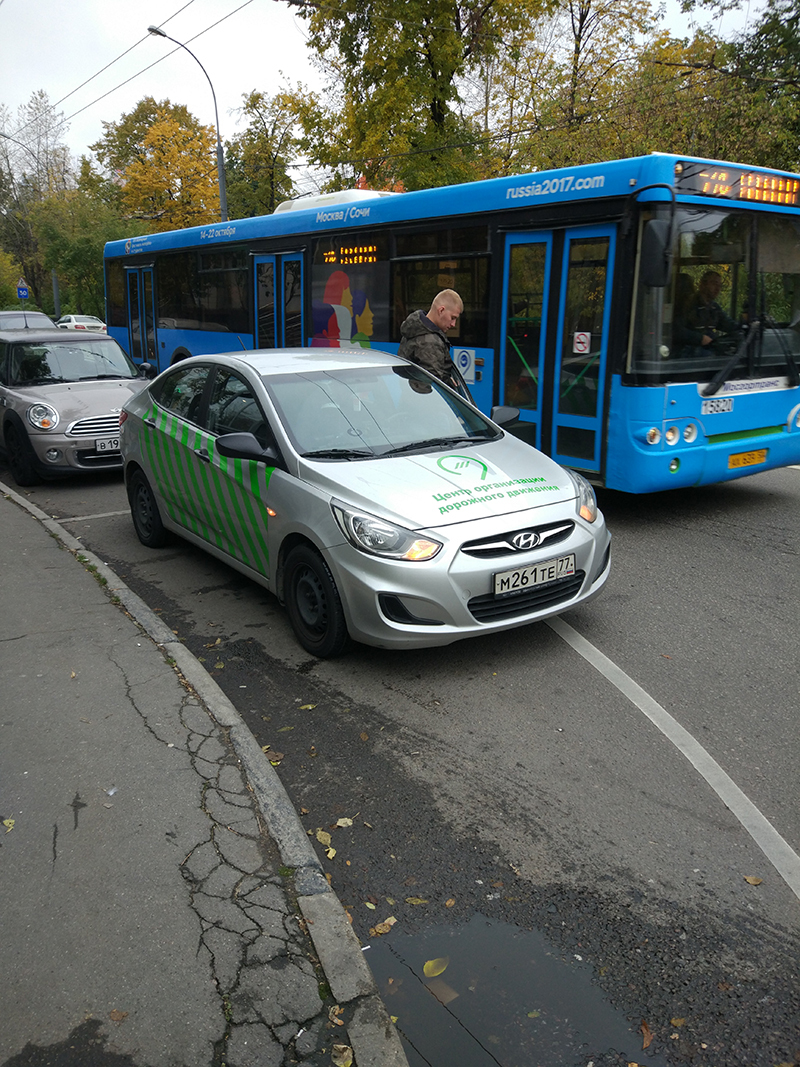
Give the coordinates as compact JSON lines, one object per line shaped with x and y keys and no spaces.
{"x":144,"y":511}
{"x":21,"y":459}
{"x":313,"y":603}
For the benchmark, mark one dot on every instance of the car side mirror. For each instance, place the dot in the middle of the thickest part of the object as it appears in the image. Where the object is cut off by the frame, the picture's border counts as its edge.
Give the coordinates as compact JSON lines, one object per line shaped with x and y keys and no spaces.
{"x":246,"y":446}
{"x":502,"y":414}
{"x":147,"y":370}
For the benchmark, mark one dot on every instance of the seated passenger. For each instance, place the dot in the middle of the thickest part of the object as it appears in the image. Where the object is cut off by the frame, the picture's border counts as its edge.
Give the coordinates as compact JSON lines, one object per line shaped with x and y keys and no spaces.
{"x":701,"y":320}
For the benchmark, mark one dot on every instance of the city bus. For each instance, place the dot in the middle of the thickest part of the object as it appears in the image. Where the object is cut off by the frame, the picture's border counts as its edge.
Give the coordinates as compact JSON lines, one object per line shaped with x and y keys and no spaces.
{"x":579,"y":286}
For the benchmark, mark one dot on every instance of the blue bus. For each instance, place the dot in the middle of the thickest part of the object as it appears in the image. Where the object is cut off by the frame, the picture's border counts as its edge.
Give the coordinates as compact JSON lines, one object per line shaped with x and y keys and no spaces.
{"x":589,"y":294}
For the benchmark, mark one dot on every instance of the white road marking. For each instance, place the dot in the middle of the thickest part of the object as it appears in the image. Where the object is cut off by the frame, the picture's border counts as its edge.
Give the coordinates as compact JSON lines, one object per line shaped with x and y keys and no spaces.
{"x":101,"y":515}
{"x":777,"y":850}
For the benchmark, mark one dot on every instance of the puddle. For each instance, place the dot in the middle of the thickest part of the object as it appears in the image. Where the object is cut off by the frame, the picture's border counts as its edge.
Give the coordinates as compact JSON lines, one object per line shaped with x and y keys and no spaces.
{"x":504,"y":996}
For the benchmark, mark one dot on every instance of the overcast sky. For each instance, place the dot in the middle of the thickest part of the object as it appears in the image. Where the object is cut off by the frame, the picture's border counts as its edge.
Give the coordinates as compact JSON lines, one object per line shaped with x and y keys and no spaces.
{"x":94,"y":58}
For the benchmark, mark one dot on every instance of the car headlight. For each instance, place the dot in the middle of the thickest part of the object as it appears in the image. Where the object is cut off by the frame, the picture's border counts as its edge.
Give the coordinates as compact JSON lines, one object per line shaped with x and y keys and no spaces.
{"x":43,"y":417}
{"x":586,"y":503}
{"x":381,"y":538}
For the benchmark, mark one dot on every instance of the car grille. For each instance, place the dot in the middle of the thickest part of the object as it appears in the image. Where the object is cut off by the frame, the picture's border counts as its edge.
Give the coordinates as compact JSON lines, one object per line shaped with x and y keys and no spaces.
{"x":489,"y":608}
{"x":502,"y":544}
{"x":98,"y":459}
{"x":99,"y":426}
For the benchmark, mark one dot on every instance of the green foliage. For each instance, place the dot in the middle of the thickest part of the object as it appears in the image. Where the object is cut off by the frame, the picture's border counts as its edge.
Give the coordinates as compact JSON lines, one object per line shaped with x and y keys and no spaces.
{"x":10,"y":273}
{"x":257,"y":161}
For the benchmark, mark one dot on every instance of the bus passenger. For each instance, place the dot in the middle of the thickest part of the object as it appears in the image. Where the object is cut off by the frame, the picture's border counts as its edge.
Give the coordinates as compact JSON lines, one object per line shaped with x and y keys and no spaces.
{"x":424,"y":340}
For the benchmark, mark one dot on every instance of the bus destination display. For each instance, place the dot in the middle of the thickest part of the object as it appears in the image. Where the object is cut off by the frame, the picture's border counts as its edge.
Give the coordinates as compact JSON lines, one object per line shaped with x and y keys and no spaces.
{"x":737,"y":184}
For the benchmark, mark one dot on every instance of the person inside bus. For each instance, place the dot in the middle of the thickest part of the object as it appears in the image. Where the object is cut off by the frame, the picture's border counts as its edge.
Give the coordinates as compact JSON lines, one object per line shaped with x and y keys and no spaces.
{"x":424,"y":335}
{"x":699,"y":319}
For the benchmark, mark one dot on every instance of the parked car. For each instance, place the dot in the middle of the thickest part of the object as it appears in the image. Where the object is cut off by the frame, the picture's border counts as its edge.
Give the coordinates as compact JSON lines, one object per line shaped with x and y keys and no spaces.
{"x":81,"y":322}
{"x":60,"y":399}
{"x":25,"y":320}
{"x":375,"y":502}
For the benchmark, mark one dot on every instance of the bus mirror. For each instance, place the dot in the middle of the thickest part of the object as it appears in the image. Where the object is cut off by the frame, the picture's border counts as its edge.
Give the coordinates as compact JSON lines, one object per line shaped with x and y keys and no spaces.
{"x":656,"y":254}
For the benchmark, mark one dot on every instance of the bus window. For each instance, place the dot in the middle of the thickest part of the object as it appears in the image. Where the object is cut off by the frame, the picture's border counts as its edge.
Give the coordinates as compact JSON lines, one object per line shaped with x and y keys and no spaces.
{"x":350,"y":291}
{"x":416,"y":282}
{"x":524,"y":324}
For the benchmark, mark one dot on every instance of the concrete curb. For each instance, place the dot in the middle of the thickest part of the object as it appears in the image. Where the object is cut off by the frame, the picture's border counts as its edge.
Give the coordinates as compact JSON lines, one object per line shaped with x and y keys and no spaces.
{"x":373,"y":1037}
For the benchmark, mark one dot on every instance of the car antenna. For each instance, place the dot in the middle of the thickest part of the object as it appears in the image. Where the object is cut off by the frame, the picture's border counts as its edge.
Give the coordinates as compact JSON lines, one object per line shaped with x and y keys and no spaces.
{"x":241,"y":342}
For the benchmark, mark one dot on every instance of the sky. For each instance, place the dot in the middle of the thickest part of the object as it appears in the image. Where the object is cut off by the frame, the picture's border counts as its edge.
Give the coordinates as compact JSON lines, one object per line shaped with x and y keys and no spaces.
{"x":95,"y":59}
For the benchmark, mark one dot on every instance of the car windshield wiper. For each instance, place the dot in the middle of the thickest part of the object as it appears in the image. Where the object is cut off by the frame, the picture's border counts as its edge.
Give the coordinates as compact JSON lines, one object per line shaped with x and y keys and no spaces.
{"x":339,"y":453}
{"x":439,"y":442}
{"x":103,"y":377}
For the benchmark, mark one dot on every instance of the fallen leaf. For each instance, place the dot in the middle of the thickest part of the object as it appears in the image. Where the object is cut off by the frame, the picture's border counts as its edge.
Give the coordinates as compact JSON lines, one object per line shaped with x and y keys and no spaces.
{"x":534,"y":1014}
{"x":384,"y":927}
{"x":219,"y":666}
{"x":9,"y":825}
{"x":344,"y":822}
{"x":307,"y":707}
{"x":283,"y":729}
{"x":370,"y":905}
{"x":726,"y":987}
{"x":415,"y":900}
{"x":275,"y":757}
{"x":647,"y":1035}
{"x":323,"y":836}
{"x":330,"y":853}
{"x":341,"y":1056}
{"x":390,"y":900}
{"x":364,"y":736}
{"x":450,"y":903}
{"x":751,"y":880}
{"x":677,"y":1022}
{"x":334,"y":1013}
{"x":433,"y":968}
{"x":394,"y":1018}
{"x":72,"y":674}
{"x":304,"y":811}
{"x":266,"y":748}
{"x":116,"y":1016}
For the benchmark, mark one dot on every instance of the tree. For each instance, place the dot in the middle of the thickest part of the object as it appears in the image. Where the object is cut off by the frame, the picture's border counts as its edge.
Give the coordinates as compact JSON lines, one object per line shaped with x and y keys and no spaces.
{"x":392,"y":111}
{"x":257,"y":160}
{"x":163,"y":162}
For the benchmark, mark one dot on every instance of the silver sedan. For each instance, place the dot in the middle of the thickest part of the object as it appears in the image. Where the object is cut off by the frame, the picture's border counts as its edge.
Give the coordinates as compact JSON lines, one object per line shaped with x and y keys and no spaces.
{"x":376,"y":503}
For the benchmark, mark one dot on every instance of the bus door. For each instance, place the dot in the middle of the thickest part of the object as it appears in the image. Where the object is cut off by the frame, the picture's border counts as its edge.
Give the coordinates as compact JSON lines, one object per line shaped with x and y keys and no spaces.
{"x":581,"y":348}
{"x":278,"y":301}
{"x":526,"y":281}
{"x":142,"y":339}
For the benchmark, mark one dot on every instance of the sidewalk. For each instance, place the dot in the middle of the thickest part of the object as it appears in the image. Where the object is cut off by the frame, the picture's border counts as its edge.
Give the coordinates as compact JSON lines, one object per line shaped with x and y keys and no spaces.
{"x":161,"y":903}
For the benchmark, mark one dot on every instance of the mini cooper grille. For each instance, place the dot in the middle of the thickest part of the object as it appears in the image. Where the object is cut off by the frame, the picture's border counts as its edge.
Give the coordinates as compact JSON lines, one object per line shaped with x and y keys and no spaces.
{"x":98,"y":459}
{"x":99,"y":426}
{"x":503,"y":544}
{"x":490,"y":608}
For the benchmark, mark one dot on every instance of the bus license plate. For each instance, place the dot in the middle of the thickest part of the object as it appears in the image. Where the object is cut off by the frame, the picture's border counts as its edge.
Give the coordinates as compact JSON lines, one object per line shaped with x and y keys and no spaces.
{"x":107,"y":444}
{"x":747,"y":459}
{"x":517,"y":581}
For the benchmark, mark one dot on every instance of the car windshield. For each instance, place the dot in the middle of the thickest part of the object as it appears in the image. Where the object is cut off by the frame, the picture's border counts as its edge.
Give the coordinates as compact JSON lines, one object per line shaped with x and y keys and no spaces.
{"x":358,"y":413}
{"x":51,"y":361}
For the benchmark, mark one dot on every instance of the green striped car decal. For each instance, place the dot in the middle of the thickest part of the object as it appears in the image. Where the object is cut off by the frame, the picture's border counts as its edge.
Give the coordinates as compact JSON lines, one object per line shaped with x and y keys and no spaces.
{"x":221,"y":501}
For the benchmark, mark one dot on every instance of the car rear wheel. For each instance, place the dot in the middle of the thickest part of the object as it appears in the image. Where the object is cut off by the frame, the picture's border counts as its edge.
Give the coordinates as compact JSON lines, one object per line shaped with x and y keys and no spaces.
{"x":144,"y":512}
{"x":21,"y":461}
{"x":313,"y":603}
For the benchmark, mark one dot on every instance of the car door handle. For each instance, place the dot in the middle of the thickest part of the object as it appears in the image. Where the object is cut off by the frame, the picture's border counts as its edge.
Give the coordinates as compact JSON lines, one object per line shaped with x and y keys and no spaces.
{"x":149,"y":422}
{"x":202,"y":453}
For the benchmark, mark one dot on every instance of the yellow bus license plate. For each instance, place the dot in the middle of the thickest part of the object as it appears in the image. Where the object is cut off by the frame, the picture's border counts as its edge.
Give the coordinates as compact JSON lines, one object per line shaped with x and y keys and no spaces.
{"x":747,"y":459}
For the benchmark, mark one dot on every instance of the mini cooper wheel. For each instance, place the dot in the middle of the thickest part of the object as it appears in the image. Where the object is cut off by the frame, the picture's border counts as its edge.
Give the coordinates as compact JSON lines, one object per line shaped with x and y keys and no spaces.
{"x":144,"y":512}
{"x":313,"y":603}
{"x":21,"y":460}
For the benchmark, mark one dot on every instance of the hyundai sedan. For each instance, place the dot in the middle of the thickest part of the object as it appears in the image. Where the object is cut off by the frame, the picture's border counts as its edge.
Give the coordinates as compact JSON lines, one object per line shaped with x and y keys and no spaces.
{"x":376,"y":503}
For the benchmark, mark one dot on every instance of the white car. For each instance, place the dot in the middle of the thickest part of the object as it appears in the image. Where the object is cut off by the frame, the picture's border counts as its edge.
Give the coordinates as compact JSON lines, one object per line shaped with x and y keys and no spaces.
{"x":81,"y":322}
{"x":374,"y":501}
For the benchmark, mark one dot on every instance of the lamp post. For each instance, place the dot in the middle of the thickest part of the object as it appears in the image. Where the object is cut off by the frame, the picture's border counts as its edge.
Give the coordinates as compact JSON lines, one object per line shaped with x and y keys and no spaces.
{"x":223,"y":195}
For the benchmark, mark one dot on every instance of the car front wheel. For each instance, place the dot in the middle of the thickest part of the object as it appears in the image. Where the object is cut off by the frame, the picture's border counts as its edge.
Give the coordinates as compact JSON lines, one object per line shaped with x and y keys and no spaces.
{"x":21,"y":461}
{"x":313,"y":603}
{"x":144,"y":511}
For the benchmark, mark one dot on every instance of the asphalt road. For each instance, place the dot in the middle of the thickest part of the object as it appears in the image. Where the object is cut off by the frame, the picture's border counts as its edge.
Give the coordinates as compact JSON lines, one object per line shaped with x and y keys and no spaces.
{"x":510,"y":779}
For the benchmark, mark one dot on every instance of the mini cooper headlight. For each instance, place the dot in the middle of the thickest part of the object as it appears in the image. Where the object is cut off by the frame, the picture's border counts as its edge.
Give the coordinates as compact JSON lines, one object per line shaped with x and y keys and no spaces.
{"x":586,"y":504}
{"x":381,"y":538}
{"x":43,"y":417}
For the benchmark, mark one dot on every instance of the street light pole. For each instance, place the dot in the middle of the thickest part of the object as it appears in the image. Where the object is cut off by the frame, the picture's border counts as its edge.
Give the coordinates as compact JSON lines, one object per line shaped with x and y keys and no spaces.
{"x":223,"y":195}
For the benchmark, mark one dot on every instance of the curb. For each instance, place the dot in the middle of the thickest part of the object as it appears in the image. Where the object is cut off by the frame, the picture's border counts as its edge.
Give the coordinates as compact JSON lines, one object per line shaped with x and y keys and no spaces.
{"x":372,"y":1035}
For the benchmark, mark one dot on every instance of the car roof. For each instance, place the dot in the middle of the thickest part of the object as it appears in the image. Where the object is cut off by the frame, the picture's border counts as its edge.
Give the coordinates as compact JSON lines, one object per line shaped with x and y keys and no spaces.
{"x":39,"y":335}
{"x":269,"y":362}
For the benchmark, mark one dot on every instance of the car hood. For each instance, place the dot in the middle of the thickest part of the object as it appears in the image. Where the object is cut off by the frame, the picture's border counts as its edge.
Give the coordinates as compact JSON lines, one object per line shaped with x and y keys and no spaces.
{"x":81,"y":400}
{"x":440,"y":488}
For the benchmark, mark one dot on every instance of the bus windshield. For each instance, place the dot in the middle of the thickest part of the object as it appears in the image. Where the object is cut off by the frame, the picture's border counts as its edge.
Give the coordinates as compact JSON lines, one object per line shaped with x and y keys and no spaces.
{"x":731,"y":309}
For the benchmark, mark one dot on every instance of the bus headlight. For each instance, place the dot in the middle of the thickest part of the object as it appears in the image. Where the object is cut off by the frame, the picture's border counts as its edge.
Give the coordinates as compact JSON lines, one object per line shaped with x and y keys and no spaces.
{"x":653,"y":435}
{"x":672,"y":436}
{"x":690,"y":433}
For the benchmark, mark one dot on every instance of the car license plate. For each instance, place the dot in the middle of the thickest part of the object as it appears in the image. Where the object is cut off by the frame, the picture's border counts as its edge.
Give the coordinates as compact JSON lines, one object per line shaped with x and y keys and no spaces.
{"x":107,"y":444}
{"x":747,"y":459}
{"x":517,"y":581}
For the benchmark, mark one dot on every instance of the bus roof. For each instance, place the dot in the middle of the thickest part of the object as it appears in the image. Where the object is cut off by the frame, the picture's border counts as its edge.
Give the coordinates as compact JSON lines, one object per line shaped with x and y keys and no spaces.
{"x":593,"y":181}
